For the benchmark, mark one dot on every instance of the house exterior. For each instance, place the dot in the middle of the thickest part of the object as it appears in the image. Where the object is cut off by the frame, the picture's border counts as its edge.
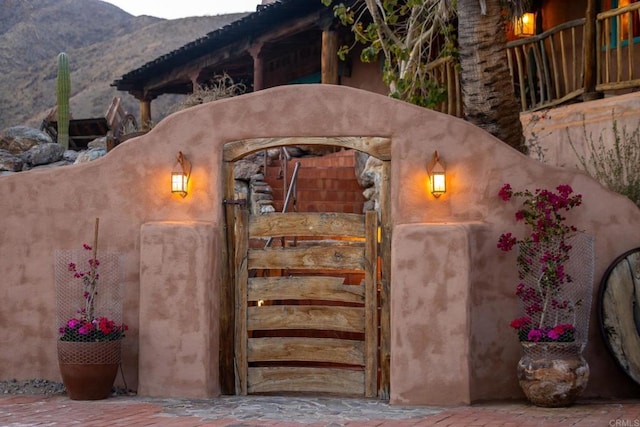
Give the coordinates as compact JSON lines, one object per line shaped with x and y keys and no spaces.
{"x":556,"y":64}
{"x":451,"y":289}
{"x":292,"y":41}
{"x":284,"y":42}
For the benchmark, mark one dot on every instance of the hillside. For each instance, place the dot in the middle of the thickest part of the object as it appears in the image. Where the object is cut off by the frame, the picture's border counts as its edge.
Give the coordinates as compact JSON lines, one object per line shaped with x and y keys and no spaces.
{"x":102,"y":41}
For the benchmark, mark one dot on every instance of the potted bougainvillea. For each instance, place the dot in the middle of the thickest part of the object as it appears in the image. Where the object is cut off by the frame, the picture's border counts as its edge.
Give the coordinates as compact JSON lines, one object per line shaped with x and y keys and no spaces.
{"x":555,"y":279}
{"x":90,"y":320}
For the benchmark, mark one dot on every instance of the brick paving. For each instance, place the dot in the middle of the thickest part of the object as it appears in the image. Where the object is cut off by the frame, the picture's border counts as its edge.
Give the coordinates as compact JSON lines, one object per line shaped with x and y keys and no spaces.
{"x":24,"y":411}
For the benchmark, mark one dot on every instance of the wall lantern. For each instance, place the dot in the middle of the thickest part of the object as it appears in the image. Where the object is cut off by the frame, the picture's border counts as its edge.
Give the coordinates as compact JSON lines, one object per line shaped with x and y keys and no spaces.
{"x":437,"y":177}
{"x":180,"y":175}
{"x":525,"y":25}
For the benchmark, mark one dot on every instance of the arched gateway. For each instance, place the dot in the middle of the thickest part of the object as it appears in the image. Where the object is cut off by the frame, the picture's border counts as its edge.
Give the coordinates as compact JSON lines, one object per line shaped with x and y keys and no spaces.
{"x":291,"y":323}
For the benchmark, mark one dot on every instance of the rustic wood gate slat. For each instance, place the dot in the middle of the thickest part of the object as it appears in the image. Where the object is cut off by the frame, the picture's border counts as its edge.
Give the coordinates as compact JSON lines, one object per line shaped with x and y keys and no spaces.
{"x":306,"y":349}
{"x":321,"y":305}
{"x":345,"y":319}
{"x":285,"y":379}
{"x":310,"y":287}
{"x":341,"y":257}
{"x":242,"y":278}
{"x":301,"y":224}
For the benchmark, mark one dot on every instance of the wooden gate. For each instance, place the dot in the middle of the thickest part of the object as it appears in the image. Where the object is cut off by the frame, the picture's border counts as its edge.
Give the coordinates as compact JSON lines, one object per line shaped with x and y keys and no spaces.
{"x":299,"y":326}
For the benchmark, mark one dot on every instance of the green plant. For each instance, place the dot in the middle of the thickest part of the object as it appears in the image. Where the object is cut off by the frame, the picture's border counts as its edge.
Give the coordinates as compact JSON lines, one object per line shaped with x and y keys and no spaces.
{"x":63,"y":89}
{"x":617,"y":165}
{"x":409,"y":35}
{"x":532,"y":143}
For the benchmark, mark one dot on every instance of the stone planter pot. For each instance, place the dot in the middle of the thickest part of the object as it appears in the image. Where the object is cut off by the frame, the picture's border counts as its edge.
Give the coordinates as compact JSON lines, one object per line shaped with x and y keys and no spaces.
{"x":552,"y":374}
{"x":88,"y":369}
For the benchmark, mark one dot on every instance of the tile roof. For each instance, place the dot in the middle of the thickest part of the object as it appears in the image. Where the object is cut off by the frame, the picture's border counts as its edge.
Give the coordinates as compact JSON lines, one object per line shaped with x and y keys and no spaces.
{"x":252,"y":25}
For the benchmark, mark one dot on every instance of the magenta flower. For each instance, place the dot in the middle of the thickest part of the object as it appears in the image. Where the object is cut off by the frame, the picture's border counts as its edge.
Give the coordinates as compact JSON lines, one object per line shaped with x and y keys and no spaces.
{"x":86,"y":328}
{"x":72,"y":323}
{"x":506,"y":242}
{"x":505,"y":192}
{"x":535,"y":335}
{"x":541,"y":261}
{"x":520,"y":322}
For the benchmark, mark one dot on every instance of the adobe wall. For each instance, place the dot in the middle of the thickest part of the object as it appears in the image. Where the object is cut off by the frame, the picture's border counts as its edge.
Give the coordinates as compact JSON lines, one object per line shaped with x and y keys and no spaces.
{"x":452,"y":290}
{"x":550,"y":134}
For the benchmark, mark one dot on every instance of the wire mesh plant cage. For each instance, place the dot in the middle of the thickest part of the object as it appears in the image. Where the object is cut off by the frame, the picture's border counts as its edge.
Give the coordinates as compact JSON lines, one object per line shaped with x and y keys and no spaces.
{"x":555,"y":292}
{"x":89,"y":306}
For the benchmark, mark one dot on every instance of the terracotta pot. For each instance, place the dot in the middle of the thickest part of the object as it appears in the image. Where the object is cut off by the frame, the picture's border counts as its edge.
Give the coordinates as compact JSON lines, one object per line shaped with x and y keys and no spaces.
{"x":88,"y":369}
{"x":552,"y":374}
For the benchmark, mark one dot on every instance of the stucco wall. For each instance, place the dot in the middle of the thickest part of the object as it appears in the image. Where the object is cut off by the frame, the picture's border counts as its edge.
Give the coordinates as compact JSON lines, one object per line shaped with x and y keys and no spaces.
{"x":466,"y":289}
{"x":551,"y":133}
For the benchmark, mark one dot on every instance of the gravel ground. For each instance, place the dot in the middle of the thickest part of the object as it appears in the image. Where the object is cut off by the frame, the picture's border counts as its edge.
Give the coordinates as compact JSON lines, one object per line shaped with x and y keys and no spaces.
{"x":35,"y":387}
{"x":45,"y":388}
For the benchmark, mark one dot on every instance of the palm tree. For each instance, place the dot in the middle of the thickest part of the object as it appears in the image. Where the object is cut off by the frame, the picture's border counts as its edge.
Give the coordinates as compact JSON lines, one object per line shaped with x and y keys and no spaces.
{"x":406,"y":36}
{"x":487,"y":93}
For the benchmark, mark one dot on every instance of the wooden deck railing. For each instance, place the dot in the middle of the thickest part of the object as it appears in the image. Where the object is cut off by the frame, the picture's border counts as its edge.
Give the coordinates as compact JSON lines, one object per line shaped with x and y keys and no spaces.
{"x":445,"y":72}
{"x":618,"y":67}
{"x":547,"y":69}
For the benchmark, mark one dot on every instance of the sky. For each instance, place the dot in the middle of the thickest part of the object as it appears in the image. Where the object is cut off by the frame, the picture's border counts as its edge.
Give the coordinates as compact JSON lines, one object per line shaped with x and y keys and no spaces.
{"x":173,"y":9}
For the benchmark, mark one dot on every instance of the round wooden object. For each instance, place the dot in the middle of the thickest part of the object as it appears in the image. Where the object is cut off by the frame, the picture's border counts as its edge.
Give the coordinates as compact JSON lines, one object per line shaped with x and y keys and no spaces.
{"x":619,"y":311}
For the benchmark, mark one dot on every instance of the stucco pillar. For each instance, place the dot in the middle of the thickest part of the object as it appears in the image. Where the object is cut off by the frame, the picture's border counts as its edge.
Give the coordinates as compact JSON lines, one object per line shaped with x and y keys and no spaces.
{"x":430,"y":315}
{"x":179,"y":310}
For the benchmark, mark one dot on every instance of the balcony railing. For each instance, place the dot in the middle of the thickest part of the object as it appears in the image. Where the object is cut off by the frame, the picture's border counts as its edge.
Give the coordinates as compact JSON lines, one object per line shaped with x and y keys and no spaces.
{"x":547,"y":69}
{"x":445,"y":72}
{"x":618,"y":32}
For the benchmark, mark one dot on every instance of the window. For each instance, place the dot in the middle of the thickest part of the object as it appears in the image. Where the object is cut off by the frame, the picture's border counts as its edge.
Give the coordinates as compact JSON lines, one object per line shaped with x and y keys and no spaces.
{"x":620,"y":26}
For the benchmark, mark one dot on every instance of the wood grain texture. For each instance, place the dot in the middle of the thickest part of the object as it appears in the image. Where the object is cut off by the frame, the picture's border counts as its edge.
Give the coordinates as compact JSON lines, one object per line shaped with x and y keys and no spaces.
{"x":379,"y":147}
{"x":304,"y":288}
{"x":345,"y":319}
{"x":306,"y":224}
{"x":341,"y":257}
{"x":315,"y":380}
{"x":349,"y":352}
{"x":620,"y":313}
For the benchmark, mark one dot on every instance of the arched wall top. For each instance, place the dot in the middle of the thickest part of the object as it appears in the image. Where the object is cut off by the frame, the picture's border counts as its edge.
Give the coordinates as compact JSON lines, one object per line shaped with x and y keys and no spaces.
{"x":379,"y":147}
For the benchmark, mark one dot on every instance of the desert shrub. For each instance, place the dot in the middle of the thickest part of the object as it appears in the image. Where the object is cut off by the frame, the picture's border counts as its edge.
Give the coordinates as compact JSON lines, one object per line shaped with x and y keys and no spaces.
{"x":615,"y":165}
{"x":221,"y":86}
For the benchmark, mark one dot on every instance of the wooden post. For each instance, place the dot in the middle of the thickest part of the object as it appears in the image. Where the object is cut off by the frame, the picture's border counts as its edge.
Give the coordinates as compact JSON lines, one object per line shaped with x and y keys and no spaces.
{"x":258,"y":67}
{"x":227,"y":289}
{"x":384,"y":361}
{"x":590,"y":51}
{"x":145,"y":114}
{"x":330,"y":57}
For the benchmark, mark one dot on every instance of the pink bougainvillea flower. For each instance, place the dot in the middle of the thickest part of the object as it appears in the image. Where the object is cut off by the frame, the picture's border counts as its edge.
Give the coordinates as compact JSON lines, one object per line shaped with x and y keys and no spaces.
{"x":72,"y":323}
{"x":86,"y":328}
{"x":506,"y":242}
{"x":554,"y":334}
{"x":535,"y":335}
{"x":105,"y":325}
{"x":520,"y":322}
{"x":505,"y":192}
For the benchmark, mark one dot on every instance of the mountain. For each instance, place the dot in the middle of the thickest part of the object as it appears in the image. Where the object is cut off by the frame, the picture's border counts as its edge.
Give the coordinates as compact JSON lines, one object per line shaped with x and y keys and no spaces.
{"x":102,"y":42}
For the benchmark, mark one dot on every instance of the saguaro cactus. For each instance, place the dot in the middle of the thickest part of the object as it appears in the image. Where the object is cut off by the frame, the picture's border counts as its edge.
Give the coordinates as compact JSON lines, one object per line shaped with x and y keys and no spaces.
{"x":63,"y":90}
